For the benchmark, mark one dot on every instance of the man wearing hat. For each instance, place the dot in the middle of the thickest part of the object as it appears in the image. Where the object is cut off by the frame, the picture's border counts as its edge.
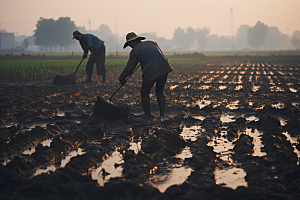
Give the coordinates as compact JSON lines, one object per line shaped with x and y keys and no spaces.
{"x":96,"y":46}
{"x":155,"y":68}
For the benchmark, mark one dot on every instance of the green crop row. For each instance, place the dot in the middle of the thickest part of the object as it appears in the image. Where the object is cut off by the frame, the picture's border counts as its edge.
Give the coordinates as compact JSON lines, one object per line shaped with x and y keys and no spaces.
{"x":44,"y":69}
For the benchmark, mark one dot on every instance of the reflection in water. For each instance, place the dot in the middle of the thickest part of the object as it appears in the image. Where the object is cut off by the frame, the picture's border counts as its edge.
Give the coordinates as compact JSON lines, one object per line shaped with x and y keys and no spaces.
{"x":256,"y":135}
{"x":108,"y":169}
{"x":226,"y":118}
{"x":191,"y":133}
{"x":278,"y":105}
{"x":135,"y":146}
{"x":65,"y":161}
{"x":231,"y":178}
{"x":174,"y":174}
{"x":233,"y":105}
{"x":204,"y":102}
{"x":185,"y":153}
{"x":222,"y":87}
{"x":293,"y":90}
{"x":294,"y":142}
{"x":255,"y":88}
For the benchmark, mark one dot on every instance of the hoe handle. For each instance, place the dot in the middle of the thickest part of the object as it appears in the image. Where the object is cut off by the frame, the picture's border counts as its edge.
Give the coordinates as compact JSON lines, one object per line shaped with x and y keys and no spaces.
{"x":77,"y":67}
{"x":118,"y":88}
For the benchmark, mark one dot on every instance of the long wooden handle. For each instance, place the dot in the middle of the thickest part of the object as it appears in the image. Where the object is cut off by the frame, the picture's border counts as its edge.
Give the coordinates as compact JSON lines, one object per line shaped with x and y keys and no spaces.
{"x":77,"y":68}
{"x":119,"y":87}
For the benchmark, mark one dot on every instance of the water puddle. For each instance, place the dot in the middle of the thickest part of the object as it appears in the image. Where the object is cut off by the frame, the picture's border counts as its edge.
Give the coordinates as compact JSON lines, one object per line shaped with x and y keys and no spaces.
{"x":63,"y":163}
{"x":252,"y":118}
{"x":276,"y":89}
{"x":293,"y":90}
{"x":256,"y":135}
{"x":238,"y":87}
{"x":135,"y":146}
{"x":191,"y":133}
{"x":255,"y":88}
{"x":232,"y":177}
{"x":60,"y":113}
{"x":108,"y":169}
{"x":222,"y":87}
{"x":28,"y":151}
{"x":233,"y":105}
{"x":199,"y":117}
{"x":173,"y":87}
{"x":227,"y":118}
{"x":31,"y":150}
{"x":204,"y":102}
{"x":294,"y":142}
{"x":204,"y":87}
{"x":282,"y":121}
{"x":278,"y":105}
{"x":173,"y":174}
{"x":185,"y":153}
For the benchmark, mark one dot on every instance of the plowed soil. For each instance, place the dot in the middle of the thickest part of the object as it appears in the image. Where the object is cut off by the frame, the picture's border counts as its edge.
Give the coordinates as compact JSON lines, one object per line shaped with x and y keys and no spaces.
{"x":43,"y":124}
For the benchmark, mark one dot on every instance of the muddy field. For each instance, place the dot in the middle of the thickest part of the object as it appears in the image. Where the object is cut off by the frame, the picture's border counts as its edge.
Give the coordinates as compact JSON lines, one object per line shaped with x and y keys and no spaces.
{"x":232,"y":131}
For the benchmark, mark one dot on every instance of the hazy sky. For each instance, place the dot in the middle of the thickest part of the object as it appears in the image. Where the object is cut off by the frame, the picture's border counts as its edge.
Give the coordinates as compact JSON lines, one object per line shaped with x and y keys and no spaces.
{"x":160,"y":16}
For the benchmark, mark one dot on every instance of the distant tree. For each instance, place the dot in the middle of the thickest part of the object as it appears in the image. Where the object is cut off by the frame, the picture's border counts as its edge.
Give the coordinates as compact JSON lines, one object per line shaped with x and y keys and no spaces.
{"x":257,"y":34}
{"x":104,"y":31}
{"x":219,"y":42}
{"x":190,"y":37}
{"x":202,"y":37}
{"x":275,"y":39}
{"x":49,"y":33}
{"x":241,"y":37}
{"x":44,"y":33}
{"x":295,"y":40}
{"x":64,"y":28}
{"x":25,"y":43}
{"x":184,"y":40}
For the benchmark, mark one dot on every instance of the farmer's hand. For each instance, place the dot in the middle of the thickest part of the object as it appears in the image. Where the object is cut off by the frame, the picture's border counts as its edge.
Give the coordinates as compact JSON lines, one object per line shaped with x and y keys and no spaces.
{"x":84,"y":56}
{"x":122,"y":80}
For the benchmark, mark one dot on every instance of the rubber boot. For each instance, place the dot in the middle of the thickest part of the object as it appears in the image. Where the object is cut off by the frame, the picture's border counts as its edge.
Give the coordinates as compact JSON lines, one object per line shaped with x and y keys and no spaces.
{"x":146,"y":106}
{"x":89,"y":78}
{"x":161,"y":100}
{"x":103,"y":78}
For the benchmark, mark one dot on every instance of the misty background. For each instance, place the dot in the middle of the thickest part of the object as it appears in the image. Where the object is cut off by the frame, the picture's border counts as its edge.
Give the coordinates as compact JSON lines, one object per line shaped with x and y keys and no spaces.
{"x":53,"y":35}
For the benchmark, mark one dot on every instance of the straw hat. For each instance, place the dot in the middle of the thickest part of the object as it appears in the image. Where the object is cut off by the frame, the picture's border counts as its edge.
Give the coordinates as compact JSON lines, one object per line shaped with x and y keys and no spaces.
{"x":131,"y":37}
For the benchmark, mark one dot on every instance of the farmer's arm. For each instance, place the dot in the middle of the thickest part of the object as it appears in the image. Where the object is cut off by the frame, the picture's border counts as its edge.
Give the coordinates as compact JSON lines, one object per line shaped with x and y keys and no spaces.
{"x":131,"y":64}
{"x":84,"y":46}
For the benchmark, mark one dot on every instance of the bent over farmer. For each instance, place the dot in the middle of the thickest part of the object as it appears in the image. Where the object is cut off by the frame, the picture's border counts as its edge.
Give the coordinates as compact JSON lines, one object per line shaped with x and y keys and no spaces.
{"x":155,"y":68}
{"x":97,"y":48}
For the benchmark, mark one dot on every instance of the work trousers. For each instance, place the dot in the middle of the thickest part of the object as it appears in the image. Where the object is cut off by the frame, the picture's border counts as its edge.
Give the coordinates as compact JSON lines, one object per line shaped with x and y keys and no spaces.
{"x":159,"y":89}
{"x":99,"y":59}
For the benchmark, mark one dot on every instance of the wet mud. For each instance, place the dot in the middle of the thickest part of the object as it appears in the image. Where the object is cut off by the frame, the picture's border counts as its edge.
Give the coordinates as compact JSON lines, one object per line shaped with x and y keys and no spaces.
{"x":231,"y":132}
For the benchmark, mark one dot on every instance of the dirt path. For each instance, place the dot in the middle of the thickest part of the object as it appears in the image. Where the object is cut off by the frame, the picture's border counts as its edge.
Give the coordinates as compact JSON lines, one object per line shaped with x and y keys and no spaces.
{"x":231,"y":132}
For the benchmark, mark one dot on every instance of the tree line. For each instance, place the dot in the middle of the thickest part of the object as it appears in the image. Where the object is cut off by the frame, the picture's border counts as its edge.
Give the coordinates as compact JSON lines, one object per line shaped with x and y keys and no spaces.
{"x":55,"y":35}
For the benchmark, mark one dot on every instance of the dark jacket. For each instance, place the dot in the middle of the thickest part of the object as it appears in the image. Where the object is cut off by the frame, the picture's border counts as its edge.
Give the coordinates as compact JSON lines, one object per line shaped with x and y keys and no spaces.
{"x":153,"y":63}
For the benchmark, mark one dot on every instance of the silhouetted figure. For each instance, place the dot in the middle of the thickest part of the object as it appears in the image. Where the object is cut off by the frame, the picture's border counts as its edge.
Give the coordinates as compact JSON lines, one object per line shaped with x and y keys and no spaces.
{"x":155,"y":68}
{"x":97,"y":48}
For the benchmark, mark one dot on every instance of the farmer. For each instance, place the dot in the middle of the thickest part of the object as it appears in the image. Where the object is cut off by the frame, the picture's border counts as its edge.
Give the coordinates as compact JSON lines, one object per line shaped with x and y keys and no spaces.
{"x":96,"y":46}
{"x":155,"y":68}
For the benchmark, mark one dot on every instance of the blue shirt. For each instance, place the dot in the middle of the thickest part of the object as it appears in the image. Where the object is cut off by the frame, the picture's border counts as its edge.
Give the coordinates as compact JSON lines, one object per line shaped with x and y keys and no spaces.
{"x":88,"y":41}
